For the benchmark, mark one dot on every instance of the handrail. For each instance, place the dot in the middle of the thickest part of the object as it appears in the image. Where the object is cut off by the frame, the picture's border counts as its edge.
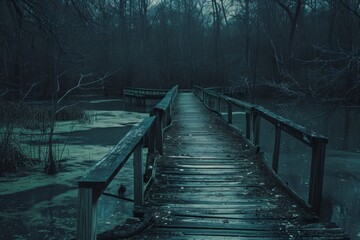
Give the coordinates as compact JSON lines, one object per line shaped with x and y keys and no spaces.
{"x":101,"y":174}
{"x":254,"y":113}
{"x":147,"y":89}
{"x":163,"y":112}
{"x":144,"y":92}
{"x":150,"y":133}
{"x":168,"y":100}
{"x":222,"y":90}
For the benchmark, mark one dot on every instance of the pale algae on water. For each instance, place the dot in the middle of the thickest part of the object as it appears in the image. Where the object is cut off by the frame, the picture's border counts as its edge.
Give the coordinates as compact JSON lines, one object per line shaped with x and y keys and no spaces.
{"x":39,"y":206}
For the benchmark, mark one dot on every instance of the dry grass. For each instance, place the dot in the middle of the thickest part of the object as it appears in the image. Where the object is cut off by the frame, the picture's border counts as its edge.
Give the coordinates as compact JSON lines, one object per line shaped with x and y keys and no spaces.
{"x":38,"y":116}
{"x":12,"y":158}
{"x":29,"y":116}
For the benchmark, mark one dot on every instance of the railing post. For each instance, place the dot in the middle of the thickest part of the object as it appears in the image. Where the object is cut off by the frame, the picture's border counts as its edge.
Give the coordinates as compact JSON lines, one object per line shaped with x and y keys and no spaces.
{"x":208,"y":100}
{"x":163,"y":121}
{"x":86,"y":219}
{"x":219,"y":104}
{"x":256,"y":128}
{"x":159,"y":131}
{"x":151,"y":140}
{"x":275,"y":160}
{"x":208,"y":96}
{"x":213,"y":103}
{"x":168,"y":122}
{"x":138,"y":177}
{"x":229,"y":107}
{"x":317,"y":174}
{"x":248,"y":125}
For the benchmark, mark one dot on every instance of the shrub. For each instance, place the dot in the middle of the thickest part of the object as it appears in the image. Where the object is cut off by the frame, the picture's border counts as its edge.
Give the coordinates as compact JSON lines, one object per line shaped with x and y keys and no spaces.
{"x":38,"y":116}
{"x":11,"y":157}
{"x":30,"y":116}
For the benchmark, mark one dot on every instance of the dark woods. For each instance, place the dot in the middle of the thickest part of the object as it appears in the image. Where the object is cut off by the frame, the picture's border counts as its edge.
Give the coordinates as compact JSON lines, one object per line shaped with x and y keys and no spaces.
{"x":303,"y":49}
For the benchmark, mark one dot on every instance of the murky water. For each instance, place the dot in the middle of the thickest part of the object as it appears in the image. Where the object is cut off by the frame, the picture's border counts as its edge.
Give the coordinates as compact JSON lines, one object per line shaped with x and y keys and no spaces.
{"x":39,"y":206}
{"x":341,"y":193}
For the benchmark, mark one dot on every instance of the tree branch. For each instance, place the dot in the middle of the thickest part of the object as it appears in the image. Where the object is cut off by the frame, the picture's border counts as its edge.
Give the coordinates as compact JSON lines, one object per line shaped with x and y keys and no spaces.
{"x":81,"y":85}
{"x":73,"y":88}
{"x":286,"y":9}
{"x":350,"y":9}
{"x":28,"y":92}
{"x":4,"y":92}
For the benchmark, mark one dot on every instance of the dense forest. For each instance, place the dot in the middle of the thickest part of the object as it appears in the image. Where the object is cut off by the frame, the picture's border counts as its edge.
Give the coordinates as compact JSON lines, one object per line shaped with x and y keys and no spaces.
{"x":303,"y":49}
{"x":65,"y":63}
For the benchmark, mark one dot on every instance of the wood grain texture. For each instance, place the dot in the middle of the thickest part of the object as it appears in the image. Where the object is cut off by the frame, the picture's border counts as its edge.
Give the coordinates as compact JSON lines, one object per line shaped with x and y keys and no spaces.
{"x":211,"y":185}
{"x":101,"y":174}
{"x":138,"y":177}
{"x":144,"y":93}
{"x":86,"y":221}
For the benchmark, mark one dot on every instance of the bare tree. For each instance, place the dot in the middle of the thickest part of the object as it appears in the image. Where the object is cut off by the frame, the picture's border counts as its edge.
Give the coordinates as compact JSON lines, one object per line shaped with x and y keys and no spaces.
{"x":292,"y":9}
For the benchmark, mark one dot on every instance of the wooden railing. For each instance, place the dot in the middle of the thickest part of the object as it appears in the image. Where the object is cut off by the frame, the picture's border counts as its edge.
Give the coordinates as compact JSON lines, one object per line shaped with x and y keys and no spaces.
{"x":237,"y":93}
{"x":144,"y":92}
{"x":253,"y":115}
{"x":163,"y":112}
{"x":150,"y":133}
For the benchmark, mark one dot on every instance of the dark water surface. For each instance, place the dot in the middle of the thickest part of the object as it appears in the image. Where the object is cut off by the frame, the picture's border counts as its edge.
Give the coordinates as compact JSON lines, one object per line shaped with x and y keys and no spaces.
{"x":341,"y":125}
{"x":48,"y":210}
{"x":37,"y":206}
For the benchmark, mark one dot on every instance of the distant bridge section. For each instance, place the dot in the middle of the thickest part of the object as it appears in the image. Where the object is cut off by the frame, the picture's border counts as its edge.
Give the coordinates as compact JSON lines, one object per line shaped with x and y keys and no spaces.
{"x":207,"y":178}
{"x":140,"y":96}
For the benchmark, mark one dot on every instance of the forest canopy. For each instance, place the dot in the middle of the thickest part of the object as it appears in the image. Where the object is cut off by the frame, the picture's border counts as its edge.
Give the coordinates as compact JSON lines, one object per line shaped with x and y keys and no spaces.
{"x":296,"y":48}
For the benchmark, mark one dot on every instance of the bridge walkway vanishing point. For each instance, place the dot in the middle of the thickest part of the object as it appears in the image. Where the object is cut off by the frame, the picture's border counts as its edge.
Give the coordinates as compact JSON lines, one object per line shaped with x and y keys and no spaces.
{"x":210,"y":184}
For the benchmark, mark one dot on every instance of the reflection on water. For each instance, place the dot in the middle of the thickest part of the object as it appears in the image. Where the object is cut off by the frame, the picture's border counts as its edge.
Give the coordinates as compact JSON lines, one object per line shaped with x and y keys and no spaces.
{"x":341,"y":194}
{"x":51,"y":213}
{"x":113,"y":211}
{"x":98,"y":103}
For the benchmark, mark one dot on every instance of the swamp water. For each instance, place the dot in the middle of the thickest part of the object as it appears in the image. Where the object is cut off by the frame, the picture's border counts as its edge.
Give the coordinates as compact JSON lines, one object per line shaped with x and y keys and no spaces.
{"x":341,"y":125}
{"x":37,"y":206}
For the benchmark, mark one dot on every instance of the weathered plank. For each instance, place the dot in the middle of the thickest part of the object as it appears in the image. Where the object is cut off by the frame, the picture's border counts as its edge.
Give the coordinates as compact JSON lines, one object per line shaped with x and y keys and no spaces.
{"x":211,"y":185}
{"x":86,"y":221}
{"x":101,"y":174}
{"x":254,"y":112}
{"x":144,"y":93}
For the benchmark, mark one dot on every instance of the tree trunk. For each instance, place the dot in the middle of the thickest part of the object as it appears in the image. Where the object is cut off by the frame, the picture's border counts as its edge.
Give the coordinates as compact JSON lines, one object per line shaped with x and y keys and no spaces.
{"x":51,"y":168}
{"x":247,"y":49}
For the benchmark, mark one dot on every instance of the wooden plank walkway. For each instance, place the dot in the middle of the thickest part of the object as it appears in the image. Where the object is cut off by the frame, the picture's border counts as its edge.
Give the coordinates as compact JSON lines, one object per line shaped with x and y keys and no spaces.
{"x":211,"y":185}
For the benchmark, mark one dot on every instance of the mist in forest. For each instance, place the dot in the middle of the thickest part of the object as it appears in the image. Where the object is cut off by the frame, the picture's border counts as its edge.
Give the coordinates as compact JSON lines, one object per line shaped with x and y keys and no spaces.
{"x":298,"y":49}
{"x":65,"y":63}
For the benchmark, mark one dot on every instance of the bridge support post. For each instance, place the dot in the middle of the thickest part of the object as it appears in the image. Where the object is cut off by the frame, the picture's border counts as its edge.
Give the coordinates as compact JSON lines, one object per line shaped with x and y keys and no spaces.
{"x":317,"y":175}
{"x":229,"y":107}
{"x":275,"y":160}
{"x":87,"y":214}
{"x":159,"y":131}
{"x":169,"y":115}
{"x":256,"y":128}
{"x":138,"y":177}
{"x":151,"y":140}
{"x":248,"y":127}
{"x":219,"y":104}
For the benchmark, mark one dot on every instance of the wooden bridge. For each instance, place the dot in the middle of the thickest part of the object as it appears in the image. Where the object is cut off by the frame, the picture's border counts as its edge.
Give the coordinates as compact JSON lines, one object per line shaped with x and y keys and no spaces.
{"x":140,"y":96}
{"x":206,"y":179}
